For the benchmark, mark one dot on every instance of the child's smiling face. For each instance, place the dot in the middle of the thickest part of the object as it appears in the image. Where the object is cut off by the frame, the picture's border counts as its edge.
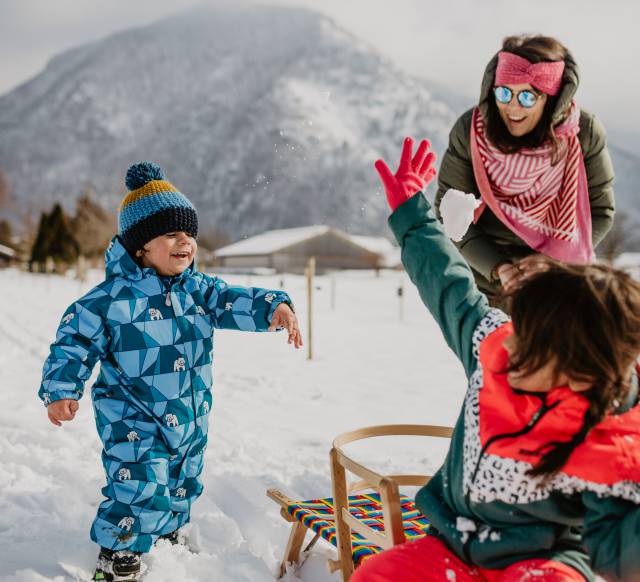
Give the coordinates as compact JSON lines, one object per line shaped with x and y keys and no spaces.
{"x":169,"y":254}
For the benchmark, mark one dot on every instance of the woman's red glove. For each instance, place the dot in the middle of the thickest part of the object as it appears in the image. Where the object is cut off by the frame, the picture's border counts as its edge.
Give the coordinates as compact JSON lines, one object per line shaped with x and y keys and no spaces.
{"x":413,"y":175}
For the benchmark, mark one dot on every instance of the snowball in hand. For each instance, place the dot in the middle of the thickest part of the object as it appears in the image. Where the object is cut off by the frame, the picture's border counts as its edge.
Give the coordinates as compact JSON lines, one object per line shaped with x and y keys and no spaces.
{"x":457,"y":210}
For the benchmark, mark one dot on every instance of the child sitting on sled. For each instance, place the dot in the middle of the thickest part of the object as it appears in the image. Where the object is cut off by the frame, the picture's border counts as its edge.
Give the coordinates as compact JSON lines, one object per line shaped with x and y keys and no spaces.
{"x":542,"y":478}
{"x":150,"y":323}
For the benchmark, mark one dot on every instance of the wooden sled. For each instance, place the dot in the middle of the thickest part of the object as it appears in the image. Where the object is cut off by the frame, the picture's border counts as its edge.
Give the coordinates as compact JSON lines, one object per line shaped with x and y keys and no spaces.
{"x":358,"y":524}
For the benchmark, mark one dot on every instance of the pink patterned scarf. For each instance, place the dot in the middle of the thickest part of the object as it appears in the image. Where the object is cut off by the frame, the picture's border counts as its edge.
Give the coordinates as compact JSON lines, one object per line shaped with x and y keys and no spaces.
{"x":546,"y":205}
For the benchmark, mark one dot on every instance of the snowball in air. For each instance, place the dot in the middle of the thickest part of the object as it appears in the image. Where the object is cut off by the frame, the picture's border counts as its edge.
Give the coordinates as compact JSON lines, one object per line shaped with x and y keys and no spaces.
{"x":457,"y":210}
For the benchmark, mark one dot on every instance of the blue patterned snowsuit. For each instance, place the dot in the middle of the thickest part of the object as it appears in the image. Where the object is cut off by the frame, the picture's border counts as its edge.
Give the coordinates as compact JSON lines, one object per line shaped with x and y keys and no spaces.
{"x":153,"y":395}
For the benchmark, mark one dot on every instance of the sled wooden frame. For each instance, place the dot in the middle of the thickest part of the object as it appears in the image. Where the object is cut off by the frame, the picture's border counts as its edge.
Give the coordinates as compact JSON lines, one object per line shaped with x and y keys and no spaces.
{"x":386,"y":485}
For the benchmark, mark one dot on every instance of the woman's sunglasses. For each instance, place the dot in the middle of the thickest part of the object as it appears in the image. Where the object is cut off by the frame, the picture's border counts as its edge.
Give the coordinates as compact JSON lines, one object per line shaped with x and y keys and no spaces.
{"x":526,"y":98}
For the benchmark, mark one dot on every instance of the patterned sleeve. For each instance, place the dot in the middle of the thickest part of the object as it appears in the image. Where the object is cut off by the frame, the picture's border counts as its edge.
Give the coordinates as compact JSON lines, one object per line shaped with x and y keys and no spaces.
{"x":80,"y":341}
{"x":242,"y":308}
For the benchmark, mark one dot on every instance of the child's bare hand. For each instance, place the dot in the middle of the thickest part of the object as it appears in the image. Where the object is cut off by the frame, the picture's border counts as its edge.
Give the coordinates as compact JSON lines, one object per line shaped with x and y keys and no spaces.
{"x":62,"y":410}
{"x":285,"y":318}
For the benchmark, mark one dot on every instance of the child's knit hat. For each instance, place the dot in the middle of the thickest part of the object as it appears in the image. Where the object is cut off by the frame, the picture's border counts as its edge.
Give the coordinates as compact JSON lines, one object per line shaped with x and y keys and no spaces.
{"x":152,"y":208}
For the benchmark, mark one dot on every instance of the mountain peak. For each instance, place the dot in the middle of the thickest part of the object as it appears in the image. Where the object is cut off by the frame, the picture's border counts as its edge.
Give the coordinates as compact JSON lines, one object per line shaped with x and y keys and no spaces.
{"x":265,"y":117}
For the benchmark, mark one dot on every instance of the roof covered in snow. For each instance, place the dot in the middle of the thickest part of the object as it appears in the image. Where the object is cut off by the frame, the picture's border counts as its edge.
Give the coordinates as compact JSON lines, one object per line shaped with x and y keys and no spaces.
{"x":375,"y":244}
{"x":7,"y":252}
{"x":272,"y":241}
{"x":277,"y":240}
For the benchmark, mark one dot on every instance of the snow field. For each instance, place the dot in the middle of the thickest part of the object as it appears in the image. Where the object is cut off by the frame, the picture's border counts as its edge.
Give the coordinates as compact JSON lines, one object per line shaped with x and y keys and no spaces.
{"x":274,"y":416}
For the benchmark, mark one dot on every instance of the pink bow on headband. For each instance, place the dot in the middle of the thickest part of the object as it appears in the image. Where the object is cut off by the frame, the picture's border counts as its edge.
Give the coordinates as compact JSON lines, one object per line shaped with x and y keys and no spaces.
{"x":515,"y":70}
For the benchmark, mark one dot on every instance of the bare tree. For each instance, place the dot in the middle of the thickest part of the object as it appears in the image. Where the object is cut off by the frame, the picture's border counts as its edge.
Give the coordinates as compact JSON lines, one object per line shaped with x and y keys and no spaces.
{"x":6,"y":200}
{"x":6,"y":233}
{"x":92,"y":226}
{"x":623,"y":236}
{"x":213,"y":239}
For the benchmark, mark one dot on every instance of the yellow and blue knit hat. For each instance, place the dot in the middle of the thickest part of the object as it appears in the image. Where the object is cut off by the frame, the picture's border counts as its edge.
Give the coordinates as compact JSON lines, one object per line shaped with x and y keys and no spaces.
{"x":152,"y":208}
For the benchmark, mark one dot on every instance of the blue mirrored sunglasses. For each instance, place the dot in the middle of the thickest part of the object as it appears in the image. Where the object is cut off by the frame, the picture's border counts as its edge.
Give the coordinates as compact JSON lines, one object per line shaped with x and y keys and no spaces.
{"x":526,"y":98}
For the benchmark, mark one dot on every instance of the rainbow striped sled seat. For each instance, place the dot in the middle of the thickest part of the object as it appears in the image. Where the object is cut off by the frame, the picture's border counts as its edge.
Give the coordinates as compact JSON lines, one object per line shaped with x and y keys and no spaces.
{"x":359,"y":524}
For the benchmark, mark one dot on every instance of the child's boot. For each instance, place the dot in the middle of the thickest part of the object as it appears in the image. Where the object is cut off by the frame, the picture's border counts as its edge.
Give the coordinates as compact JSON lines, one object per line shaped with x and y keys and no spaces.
{"x":117,"y":566}
{"x":175,"y":538}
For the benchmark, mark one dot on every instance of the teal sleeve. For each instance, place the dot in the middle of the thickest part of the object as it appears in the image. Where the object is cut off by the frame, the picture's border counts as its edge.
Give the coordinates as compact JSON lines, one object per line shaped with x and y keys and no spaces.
{"x":611,"y":534}
{"x":443,"y":278}
{"x":242,"y":308}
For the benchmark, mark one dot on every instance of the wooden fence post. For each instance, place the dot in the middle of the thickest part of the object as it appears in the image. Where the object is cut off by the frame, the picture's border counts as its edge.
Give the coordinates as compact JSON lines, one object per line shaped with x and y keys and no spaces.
{"x":311,"y":270}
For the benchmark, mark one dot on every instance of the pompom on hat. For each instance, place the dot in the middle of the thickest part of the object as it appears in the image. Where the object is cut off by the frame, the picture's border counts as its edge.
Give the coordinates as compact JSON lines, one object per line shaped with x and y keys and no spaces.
{"x":152,"y":207}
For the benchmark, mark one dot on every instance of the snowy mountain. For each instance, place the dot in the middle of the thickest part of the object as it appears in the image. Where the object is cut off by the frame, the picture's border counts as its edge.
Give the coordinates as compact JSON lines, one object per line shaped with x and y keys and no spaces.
{"x":266,"y":117}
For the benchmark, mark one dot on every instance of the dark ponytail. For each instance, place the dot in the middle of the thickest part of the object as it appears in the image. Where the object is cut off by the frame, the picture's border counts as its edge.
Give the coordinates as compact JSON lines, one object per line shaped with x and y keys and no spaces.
{"x":557,"y":453}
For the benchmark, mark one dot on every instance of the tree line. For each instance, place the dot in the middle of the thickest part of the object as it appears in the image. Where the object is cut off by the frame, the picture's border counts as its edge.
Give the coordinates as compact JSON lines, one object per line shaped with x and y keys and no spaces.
{"x":60,"y":240}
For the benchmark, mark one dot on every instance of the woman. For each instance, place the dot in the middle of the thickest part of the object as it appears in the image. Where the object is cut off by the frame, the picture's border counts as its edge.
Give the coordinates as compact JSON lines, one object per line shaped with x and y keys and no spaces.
{"x":539,"y":163}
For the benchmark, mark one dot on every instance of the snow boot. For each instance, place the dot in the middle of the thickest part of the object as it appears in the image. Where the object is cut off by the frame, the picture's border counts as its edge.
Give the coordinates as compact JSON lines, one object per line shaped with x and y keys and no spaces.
{"x":117,"y":566}
{"x":175,"y":538}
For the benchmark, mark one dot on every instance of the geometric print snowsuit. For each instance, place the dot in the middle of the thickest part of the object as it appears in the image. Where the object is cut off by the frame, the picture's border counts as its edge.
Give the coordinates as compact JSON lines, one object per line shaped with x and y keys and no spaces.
{"x":152,"y":397}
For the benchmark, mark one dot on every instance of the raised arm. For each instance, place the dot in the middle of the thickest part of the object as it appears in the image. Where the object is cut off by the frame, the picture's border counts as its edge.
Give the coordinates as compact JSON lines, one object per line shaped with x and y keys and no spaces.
{"x":442,"y":276}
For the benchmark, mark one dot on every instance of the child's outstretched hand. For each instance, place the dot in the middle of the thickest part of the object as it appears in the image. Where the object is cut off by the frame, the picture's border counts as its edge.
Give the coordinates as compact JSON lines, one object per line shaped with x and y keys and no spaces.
{"x":284,"y":317}
{"x":62,"y":410}
{"x":413,"y":174}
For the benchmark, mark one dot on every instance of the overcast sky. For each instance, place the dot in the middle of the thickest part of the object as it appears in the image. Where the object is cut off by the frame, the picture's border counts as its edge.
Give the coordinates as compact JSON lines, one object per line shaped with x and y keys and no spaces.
{"x":449,"y":41}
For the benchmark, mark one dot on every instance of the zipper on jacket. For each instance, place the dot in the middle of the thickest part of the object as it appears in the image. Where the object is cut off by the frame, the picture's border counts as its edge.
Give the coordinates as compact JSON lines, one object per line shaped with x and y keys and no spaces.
{"x":535,"y":419}
{"x":168,"y":283}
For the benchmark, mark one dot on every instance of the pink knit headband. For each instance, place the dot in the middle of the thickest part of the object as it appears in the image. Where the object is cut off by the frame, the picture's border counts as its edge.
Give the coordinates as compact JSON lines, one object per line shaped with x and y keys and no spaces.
{"x":515,"y":70}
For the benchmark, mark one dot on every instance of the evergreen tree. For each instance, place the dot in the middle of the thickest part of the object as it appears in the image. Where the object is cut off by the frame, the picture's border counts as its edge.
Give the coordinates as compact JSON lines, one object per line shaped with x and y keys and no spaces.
{"x":63,"y":247}
{"x":54,"y":239}
{"x":39,"y":251}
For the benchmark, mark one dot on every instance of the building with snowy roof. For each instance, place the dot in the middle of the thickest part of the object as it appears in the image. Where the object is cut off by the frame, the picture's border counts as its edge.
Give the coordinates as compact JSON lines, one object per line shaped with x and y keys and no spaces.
{"x":288,"y":250}
{"x":8,"y":256}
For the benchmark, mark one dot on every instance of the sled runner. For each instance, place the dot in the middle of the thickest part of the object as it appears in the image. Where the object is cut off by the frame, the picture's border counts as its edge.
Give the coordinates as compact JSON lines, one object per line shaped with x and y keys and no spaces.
{"x":359,"y":524}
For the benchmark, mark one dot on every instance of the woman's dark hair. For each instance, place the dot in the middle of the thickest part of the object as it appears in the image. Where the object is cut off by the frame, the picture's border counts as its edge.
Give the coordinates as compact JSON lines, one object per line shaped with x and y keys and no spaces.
{"x":536,"y":49}
{"x":586,"y":320}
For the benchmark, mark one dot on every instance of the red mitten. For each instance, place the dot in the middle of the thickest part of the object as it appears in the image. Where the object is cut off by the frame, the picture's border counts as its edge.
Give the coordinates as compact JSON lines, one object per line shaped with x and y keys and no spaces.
{"x":413,"y":175}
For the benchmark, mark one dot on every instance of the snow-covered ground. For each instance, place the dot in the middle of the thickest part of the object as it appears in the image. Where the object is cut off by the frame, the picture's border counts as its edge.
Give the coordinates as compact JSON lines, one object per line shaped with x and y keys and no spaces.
{"x":275,"y":414}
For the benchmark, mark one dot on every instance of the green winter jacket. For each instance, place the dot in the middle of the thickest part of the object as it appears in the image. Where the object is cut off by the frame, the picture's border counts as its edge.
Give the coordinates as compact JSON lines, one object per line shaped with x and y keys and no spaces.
{"x":481,"y":502}
{"x":489,"y":242}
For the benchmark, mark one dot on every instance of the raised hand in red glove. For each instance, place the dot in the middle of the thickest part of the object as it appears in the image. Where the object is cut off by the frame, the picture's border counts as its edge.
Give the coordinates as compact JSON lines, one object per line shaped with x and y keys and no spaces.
{"x":413,"y":175}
